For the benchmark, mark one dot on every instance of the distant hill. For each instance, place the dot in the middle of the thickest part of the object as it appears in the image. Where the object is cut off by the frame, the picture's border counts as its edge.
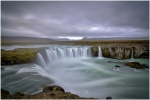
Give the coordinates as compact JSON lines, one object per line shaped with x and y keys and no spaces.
{"x":5,"y":39}
{"x":116,"y":38}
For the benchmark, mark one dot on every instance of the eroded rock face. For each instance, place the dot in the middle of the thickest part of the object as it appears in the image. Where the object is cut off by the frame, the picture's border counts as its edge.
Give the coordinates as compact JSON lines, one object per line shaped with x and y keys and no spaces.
{"x":94,"y":51}
{"x":116,"y":52}
{"x":122,"y":52}
{"x":139,"y":50}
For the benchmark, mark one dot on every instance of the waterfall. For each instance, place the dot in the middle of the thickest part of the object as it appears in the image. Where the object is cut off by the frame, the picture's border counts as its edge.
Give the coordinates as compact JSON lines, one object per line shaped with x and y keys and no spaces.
{"x":40,"y":61}
{"x":53,"y":54}
{"x":132,"y":54}
{"x":99,"y":52}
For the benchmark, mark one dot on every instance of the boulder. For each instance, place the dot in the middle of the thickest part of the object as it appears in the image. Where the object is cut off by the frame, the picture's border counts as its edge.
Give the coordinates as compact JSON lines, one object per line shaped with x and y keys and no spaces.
{"x":108,"y":98}
{"x":117,"y":66}
{"x":53,"y":88}
{"x":136,"y":65}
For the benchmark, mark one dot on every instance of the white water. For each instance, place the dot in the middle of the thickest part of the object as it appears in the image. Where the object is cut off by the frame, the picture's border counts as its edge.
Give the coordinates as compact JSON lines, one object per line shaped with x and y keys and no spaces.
{"x":56,"y":53}
{"x":40,"y":61}
{"x":77,"y":72}
{"x":132,"y":54}
{"x":99,"y":52}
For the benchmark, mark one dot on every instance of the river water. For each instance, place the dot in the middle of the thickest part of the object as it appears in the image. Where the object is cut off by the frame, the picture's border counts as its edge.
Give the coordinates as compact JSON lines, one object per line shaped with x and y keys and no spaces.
{"x":73,"y":68}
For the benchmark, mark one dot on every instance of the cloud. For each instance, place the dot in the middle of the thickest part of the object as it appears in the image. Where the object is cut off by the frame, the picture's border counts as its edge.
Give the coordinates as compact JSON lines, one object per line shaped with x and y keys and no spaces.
{"x":75,"y":18}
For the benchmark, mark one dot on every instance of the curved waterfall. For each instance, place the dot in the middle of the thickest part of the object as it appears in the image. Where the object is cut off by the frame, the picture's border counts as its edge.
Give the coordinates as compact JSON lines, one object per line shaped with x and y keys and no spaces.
{"x":46,"y":56}
{"x":77,"y":71}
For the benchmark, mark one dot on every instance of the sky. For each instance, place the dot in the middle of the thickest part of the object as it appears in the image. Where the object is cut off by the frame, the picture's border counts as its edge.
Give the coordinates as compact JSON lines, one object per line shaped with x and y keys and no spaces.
{"x":75,"y":19}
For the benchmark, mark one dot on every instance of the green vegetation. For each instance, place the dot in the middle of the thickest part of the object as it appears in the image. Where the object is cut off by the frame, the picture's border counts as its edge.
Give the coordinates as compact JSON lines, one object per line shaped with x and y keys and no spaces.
{"x":18,"y":56}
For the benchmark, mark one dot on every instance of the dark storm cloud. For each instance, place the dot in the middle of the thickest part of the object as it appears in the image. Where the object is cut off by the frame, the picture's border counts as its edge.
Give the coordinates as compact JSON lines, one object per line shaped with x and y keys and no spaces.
{"x":76,"y":19}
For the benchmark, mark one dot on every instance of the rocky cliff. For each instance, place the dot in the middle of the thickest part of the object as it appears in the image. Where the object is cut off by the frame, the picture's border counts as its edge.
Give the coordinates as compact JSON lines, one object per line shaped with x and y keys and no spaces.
{"x":122,"y":52}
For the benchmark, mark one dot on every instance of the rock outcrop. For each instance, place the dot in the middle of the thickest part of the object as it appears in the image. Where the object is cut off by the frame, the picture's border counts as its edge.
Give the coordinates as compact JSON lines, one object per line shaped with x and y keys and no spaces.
{"x":94,"y":51}
{"x":49,"y":92}
{"x":136,"y":65}
{"x":117,"y":52}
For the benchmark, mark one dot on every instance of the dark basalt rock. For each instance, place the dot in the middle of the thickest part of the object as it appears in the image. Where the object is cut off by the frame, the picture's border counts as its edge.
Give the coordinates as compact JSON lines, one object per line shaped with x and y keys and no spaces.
{"x":108,"y":98}
{"x":53,"y":88}
{"x":136,"y":65}
{"x":5,"y":94}
{"x":94,"y":51}
{"x":117,"y":66}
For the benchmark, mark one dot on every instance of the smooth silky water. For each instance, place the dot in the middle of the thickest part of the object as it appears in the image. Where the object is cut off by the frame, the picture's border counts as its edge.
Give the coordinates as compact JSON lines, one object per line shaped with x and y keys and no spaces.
{"x":73,"y":68}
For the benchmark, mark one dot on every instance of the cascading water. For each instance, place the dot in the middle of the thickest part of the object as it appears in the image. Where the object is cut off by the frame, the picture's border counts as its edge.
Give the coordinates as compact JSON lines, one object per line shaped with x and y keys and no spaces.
{"x":61,"y":53}
{"x":40,"y":61}
{"x":56,"y":53}
{"x":99,"y":52}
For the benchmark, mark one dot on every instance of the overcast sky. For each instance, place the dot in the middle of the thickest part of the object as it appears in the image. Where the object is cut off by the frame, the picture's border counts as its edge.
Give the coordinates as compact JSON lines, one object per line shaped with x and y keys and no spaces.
{"x":57,"y":19}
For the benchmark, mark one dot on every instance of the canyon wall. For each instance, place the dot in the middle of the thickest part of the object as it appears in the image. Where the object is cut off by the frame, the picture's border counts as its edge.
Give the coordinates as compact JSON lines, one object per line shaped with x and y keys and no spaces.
{"x":122,"y":52}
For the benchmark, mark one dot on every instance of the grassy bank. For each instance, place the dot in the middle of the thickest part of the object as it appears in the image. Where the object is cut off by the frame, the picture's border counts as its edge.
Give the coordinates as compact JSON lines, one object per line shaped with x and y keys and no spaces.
{"x":18,"y":56}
